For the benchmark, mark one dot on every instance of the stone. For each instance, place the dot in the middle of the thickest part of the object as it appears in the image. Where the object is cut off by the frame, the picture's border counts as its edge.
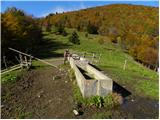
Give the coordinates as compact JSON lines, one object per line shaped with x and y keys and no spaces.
{"x":40,"y":93}
{"x":49,"y":101}
{"x":53,"y":78}
{"x":75,"y":112}
{"x":56,"y":77}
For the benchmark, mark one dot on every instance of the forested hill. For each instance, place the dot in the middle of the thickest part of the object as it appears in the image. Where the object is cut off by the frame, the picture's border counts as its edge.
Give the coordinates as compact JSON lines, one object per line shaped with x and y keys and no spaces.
{"x":134,"y":27}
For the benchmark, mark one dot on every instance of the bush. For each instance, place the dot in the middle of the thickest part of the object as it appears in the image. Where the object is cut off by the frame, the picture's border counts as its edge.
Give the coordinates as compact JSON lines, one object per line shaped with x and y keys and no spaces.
{"x":95,"y":100}
{"x":108,"y":101}
{"x":92,"y":29}
{"x":74,"y":38}
{"x":112,"y":100}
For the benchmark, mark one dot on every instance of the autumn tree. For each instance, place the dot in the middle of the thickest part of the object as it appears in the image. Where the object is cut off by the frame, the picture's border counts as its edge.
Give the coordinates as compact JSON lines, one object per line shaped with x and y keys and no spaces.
{"x":19,"y":31}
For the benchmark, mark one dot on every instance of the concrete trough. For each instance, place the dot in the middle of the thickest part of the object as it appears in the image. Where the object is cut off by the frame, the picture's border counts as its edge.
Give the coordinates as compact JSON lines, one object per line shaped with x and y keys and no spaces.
{"x":99,"y":84}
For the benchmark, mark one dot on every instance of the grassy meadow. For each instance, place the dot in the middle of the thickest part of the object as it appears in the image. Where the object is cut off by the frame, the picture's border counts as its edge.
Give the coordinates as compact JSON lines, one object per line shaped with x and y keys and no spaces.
{"x":137,"y":78}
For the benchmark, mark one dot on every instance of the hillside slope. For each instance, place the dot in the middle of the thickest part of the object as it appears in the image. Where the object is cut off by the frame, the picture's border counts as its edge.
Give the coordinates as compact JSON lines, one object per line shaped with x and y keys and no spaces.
{"x":138,"y":79}
{"x":134,"y":27}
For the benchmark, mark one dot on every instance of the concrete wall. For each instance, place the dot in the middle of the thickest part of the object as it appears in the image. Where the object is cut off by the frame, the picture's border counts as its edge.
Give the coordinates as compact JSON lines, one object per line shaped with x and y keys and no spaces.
{"x":105,"y":84}
{"x":101,"y":84}
{"x":79,"y":77}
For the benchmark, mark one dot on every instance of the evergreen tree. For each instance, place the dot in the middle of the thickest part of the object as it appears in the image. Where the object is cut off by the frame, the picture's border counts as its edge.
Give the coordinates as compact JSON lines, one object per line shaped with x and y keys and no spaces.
{"x":74,"y":38}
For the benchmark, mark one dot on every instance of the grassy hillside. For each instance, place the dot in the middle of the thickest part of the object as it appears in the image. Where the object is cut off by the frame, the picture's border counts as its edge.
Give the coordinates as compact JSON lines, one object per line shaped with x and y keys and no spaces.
{"x":138,"y":79}
{"x":133,"y":27}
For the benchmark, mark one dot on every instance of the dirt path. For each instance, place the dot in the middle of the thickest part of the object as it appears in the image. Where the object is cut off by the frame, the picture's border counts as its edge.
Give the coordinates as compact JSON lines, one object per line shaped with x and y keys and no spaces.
{"x":55,"y":61}
{"x":38,"y":95}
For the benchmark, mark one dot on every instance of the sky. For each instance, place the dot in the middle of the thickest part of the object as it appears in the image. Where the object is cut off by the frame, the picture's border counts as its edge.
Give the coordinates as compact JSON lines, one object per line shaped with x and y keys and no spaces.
{"x":43,"y":8}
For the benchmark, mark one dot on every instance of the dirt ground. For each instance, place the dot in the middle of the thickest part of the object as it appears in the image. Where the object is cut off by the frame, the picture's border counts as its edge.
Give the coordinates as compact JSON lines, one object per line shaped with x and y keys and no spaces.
{"x":42,"y":93}
{"x":38,"y":95}
{"x":47,"y":93}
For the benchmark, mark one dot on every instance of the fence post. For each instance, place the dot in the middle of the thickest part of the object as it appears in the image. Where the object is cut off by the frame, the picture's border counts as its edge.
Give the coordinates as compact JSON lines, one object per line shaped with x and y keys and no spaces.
{"x":125,"y":63}
{"x":99,"y":58}
{"x":21,"y":60}
{"x":93,"y":56}
{"x":4,"y":60}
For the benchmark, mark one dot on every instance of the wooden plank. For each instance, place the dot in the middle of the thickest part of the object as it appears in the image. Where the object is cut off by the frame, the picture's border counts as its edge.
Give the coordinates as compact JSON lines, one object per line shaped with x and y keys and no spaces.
{"x":11,"y":70}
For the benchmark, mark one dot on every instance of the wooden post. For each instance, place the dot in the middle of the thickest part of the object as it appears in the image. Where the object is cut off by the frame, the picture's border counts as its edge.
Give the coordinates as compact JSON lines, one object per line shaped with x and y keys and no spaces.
{"x":4,"y":60}
{"x":125,"y":63}
{"x":17,"y":59}
{"x":30,"y":61}
{"x":99,"y":58}
{"x":93,"y":56}
{"x":21,"y":60}
{"x":26,"y":62}
{"x":84,"y":54}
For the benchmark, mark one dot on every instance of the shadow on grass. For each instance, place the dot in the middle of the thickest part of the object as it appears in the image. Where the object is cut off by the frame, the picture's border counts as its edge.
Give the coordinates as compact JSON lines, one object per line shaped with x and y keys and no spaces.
{"x":47,"y":48}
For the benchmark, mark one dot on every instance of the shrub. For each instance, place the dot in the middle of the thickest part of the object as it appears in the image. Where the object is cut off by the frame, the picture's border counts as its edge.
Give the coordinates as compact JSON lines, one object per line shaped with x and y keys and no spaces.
{"x":108,"y":101}
{"x":117,"y":99}
{"x":92,"y":29}
{"x":112,"y":100}
{"x":95,"y":100}
{"x":74,"y":38}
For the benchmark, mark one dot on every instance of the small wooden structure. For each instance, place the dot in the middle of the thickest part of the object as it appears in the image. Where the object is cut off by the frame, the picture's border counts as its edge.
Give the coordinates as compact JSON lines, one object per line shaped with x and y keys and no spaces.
{"x":27,"y":60}
{"x":24,"y":60}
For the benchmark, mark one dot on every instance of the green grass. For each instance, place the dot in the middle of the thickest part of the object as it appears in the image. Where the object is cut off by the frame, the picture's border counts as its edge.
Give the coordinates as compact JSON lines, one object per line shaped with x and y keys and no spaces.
{"x":11,"y":76}
{"x":139,"y":79}
{"x":38,"y":65}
